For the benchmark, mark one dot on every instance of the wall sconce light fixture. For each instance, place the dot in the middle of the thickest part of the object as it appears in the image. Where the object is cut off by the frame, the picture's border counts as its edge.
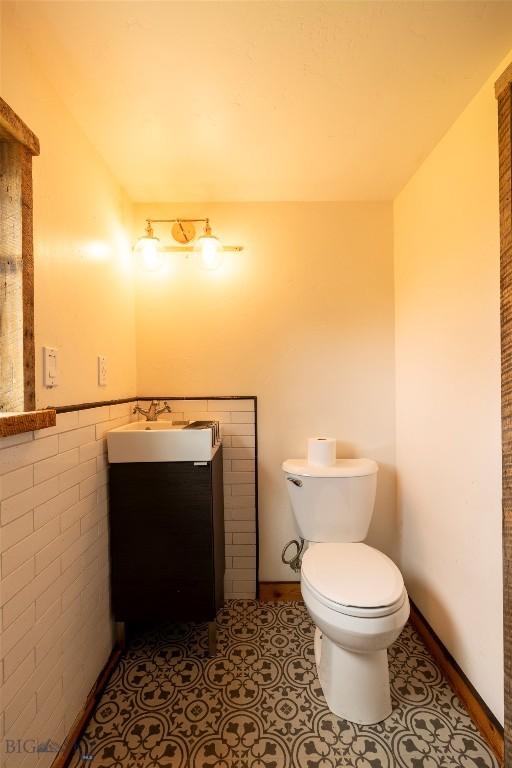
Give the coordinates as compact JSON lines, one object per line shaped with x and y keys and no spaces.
{"x":148,"y":248}
{"x":208,"y":248}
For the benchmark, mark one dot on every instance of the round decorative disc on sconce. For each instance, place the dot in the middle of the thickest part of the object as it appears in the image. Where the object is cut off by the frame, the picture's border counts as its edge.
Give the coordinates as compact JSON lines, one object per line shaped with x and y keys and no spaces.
{"x":183,"y":231}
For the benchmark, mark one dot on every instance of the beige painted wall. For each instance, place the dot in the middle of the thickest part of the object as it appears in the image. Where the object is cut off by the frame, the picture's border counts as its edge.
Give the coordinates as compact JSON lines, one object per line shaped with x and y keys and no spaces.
{"x":56,"y":626}
{"x":302,"y":318}
{"x":448,"y":393}
{"x":83,"y":277}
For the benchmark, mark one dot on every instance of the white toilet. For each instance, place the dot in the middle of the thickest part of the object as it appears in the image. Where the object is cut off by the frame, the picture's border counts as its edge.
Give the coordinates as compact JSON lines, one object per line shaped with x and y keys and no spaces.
{"x":354,"y":593}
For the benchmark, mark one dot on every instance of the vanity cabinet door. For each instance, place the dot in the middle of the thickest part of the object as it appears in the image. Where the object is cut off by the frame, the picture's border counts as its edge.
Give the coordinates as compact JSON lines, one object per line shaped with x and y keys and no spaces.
{"x":162,"y":541}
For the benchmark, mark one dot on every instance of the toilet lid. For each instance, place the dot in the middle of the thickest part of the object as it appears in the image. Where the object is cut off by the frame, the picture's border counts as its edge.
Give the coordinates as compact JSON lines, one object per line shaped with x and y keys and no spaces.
{"x":353,"y":575}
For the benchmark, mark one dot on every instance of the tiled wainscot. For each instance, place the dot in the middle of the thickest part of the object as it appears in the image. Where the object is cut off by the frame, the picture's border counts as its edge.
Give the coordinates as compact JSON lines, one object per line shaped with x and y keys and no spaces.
{"x":56,"y":630}
{"x":54,"y":591}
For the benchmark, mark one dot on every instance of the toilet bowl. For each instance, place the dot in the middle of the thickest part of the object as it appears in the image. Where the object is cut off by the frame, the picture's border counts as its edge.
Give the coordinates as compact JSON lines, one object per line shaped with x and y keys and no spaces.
{"x":354,"y":593}
{"x":357,"y":600}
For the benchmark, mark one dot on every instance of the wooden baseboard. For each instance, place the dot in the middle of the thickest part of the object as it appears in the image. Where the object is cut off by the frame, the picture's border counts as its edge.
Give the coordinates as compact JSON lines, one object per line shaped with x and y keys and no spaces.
{"x":479,"y":712}
{"x":271,"y":591}
{"x":63,"y":758}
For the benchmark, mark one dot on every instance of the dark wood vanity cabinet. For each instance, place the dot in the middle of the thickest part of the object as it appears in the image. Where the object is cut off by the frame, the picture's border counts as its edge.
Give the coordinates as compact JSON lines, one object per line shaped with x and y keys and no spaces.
{"x":167,"y":540}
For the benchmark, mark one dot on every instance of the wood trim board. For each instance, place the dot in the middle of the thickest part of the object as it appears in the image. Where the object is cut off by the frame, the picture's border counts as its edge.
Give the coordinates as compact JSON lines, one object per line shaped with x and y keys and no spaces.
{"x":504,"y":80}
{"x":279,"y":591}
{"x":135,"y":398}
{"x":96,"y":404}
{"x":13,"y":128}
{"x":256,"y":497}
{"x":504,"y":93}
{"x":198,"y":397}
{"x":27,"y":253}
{"x":14,"y":132}
{"x":26,"y":421}
{"x":476,"y":707}
{"x":70,"y":744}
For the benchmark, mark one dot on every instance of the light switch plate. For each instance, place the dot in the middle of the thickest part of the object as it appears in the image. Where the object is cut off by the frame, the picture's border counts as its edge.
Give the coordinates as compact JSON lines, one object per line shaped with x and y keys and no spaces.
{"x":50,"y":366}
{"x":102,"y":370}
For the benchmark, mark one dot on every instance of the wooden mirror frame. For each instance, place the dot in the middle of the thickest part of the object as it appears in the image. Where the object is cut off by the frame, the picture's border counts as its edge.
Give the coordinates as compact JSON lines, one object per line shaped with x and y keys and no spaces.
{"x":24,"y":145}
{"x":504,"y":96}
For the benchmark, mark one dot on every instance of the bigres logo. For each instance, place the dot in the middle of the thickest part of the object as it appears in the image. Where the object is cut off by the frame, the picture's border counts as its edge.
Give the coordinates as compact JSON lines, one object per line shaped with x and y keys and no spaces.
{"x":33,"y":746}
{"x":13,"y":746}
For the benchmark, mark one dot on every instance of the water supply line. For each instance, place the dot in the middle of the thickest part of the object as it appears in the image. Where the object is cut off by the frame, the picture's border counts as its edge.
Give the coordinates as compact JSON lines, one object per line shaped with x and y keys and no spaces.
{"x":295,"y":561}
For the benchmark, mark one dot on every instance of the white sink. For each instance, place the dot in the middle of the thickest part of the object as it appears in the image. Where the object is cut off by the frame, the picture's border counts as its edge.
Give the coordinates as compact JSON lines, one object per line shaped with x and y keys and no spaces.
{"x":160,"y":441}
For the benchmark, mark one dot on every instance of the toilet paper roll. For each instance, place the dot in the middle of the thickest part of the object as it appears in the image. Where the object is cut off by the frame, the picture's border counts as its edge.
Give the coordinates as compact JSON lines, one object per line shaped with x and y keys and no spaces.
{"x":322,"y":451}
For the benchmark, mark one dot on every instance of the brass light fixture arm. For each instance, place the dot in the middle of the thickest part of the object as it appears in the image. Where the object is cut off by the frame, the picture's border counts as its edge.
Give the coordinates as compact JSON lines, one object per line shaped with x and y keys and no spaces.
{"x":190,"y":248}
{"x":177,"y":221}
{"x":186,"y":248}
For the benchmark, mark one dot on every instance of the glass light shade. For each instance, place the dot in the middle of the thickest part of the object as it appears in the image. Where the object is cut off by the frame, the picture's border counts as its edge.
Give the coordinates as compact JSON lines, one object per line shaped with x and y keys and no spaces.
{"x":210,"y":251}
{"x":148,"y":248}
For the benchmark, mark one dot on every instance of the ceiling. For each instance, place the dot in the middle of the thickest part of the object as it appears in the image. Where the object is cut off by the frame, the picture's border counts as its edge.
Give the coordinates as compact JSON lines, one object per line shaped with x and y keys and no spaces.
{"x":259,"y":100}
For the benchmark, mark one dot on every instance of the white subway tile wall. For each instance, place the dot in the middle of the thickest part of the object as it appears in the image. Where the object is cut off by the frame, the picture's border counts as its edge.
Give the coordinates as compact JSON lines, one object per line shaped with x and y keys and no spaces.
{"x":238,"y":430}
{"x":56,"y":630}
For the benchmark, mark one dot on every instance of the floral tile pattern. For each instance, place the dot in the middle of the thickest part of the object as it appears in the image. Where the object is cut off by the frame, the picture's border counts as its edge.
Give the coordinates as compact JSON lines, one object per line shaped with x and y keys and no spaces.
{"x":258,"y":703}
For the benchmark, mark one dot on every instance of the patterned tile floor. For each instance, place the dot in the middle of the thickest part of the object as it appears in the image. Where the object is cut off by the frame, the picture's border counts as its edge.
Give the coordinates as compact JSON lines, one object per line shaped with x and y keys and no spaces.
{"x":259,"y":704}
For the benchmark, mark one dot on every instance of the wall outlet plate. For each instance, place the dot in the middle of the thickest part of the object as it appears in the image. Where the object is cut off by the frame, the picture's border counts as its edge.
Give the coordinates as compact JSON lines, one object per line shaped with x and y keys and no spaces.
{"x":102,"y":370}
{"x":50,"y":366}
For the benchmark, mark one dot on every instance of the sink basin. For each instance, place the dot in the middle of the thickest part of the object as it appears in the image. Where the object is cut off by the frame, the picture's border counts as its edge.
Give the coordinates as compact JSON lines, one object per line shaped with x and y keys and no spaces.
{"x":145,"y":441}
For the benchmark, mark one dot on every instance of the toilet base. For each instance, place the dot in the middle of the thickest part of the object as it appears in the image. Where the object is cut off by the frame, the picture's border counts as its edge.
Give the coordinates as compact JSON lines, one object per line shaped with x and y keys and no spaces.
{"x":355,"y":685}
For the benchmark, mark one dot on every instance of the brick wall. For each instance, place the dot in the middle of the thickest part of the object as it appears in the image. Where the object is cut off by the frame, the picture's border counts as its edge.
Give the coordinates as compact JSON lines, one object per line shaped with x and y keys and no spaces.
{"x":56,"y":631}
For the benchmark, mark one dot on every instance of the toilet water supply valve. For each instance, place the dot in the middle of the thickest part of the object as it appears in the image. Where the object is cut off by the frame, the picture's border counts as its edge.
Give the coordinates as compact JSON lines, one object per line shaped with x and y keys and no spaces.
{"x":296,"y":560}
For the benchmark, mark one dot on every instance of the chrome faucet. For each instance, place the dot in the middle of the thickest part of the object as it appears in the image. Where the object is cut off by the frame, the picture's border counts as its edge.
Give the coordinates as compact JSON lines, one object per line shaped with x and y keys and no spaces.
{"x":152,"y":413}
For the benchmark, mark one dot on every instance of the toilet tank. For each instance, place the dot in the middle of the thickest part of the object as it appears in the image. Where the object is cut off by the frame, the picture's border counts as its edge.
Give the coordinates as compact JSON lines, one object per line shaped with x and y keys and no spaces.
{"x":332,"y":503}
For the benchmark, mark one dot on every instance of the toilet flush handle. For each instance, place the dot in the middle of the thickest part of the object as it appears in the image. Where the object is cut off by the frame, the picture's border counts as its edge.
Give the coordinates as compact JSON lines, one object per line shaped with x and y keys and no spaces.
{"x":296,"y":482}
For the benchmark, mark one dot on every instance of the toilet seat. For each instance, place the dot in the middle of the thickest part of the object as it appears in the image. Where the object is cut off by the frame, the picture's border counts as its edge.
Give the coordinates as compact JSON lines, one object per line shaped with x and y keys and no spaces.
{"x":353,"y":579}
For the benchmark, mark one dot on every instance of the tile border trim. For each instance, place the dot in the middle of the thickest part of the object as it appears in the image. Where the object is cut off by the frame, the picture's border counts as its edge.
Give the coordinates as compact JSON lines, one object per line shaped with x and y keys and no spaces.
{"x":96,"y":404}
{"x":135,"y":398}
